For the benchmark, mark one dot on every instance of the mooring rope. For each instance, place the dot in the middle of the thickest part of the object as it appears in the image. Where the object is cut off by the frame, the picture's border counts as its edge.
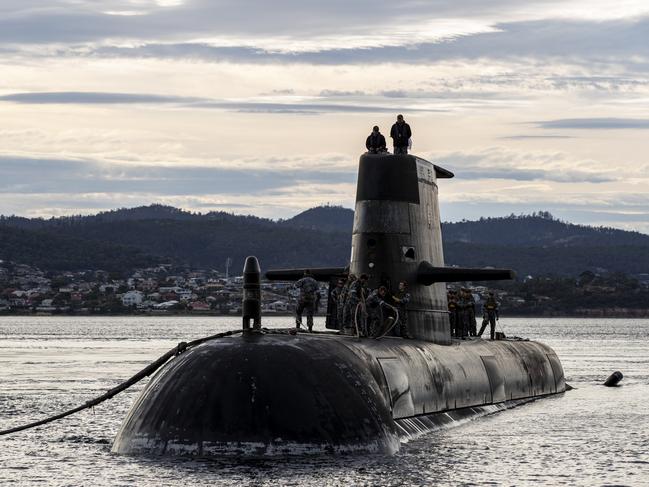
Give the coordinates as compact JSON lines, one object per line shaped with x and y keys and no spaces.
{"x":358,"y":331}
{"x":396,"y":319}
{"x":145,"y":372}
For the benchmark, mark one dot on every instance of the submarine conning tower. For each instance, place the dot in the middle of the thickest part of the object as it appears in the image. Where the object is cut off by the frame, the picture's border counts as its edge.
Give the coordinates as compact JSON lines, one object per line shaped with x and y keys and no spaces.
{"x":397,"y":236}
{"x":396,"y":228}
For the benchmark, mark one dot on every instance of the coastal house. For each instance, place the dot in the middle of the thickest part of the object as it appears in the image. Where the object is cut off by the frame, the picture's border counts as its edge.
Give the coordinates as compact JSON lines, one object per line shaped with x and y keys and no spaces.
{"x":199,"y":306}
{"x":18,"y":302}
{"x":132,"y":298}
{"x":186,"y":294}
{"x":147,"y":285}
{"x":47,"y":306}
{"x":169,"y":289}
{"x":154,"y":296}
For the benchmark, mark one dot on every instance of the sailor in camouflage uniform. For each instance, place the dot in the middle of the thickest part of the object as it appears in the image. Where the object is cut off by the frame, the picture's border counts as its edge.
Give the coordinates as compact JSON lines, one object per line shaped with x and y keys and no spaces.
{"x":343,"y":318}
{"x":464,"y":314}
{"x":401,"y":299}
{"x":334,"y":300}
{"x":373,"y":304}
{"x":353,"y":315}
{"x":308,"y":287}
{"x":490,"y":315}
{"x":451,"y":298}
{"x":473,"y":324}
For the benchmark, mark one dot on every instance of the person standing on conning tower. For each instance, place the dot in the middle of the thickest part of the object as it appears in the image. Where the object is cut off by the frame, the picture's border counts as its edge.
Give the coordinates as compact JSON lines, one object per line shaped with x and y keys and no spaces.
{"x":375,"y":142}
{"x":308,"y":287}
{"x":400,"y":134}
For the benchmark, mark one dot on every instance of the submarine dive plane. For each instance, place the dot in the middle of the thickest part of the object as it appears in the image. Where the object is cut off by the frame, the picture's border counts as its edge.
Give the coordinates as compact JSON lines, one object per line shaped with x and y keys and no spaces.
{"x":270,"y":393}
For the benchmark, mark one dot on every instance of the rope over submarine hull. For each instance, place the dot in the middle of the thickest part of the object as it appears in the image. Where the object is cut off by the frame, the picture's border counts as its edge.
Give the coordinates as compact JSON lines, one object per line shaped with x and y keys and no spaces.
{"x":279,"y":394}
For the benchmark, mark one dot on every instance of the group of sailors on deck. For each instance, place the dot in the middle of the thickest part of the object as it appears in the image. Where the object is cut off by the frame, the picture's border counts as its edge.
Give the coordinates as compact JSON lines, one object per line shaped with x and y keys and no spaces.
{"x":462,"y":314}
{"x":355,"y":309}
{"x":367,"y":312}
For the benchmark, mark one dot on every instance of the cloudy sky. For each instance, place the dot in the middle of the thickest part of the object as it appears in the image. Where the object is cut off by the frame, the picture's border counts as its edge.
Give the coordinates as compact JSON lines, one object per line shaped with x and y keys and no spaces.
{"x":263,"y":107}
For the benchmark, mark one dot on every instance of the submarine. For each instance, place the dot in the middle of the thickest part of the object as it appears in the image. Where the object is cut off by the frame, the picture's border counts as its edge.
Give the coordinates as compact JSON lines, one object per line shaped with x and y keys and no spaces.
{"x":274,"y":392}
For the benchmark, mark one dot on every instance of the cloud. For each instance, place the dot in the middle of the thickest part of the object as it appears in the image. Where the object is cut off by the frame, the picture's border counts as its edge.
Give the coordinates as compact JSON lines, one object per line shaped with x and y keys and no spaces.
{"x":580,"y":42}
{"x":609,"y":123}
{"x":599,"y":82}
{"x":78,"y":97}
{"x":235,"y":22}
{"x":341,"y":93}
{"x":527,"y":137}
{"x":334,"y":32}
{"x":89,"y":176}
{"x":508,"y":164}
{"x":318,"y":105}
{"x":306,"y":107}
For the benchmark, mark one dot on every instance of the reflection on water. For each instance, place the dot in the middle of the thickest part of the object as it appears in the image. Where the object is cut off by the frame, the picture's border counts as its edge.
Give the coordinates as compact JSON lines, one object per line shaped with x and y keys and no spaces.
{"x":592,"y":435}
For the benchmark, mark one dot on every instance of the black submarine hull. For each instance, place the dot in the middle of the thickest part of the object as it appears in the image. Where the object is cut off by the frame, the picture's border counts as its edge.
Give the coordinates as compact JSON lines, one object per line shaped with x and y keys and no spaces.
{"x":267,"y":393}
{"x":280,"y":394}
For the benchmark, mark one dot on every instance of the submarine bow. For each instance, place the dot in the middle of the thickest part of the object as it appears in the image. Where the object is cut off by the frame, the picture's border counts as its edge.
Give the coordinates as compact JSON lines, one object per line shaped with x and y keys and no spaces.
{"x":260,"y":395}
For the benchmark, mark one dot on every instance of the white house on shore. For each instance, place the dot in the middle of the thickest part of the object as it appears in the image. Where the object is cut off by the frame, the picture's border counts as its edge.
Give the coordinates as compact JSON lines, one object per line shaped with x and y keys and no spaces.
{"x":132,"y":298}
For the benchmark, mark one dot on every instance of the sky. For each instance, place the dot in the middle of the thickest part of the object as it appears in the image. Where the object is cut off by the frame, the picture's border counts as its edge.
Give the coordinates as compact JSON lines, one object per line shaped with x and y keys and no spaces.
{"x":257,"y":107}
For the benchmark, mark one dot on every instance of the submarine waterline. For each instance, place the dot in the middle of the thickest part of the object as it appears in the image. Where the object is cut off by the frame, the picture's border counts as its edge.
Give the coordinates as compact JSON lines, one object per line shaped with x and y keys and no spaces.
{"x":273,"y":392}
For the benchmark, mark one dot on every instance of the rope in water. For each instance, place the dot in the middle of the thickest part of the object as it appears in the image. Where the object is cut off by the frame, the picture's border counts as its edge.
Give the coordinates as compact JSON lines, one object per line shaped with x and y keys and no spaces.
{"x":145,"y":372}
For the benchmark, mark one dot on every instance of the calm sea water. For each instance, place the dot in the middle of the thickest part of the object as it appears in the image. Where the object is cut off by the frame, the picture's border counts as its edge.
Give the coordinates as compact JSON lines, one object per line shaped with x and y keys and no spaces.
{"x":592,"y":435}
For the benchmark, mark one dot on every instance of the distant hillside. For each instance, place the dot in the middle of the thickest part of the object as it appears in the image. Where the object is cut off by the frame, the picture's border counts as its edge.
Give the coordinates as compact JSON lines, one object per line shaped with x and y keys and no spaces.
{"x":50,"y":251}
{"x":537,"y":230}
{"x":562,"y":261}
{"x":326,"y":218}
{"x":140,"y":213}
{"x":163,"y":233}
{"x":534,"y":244}
{"x":208,"y":243}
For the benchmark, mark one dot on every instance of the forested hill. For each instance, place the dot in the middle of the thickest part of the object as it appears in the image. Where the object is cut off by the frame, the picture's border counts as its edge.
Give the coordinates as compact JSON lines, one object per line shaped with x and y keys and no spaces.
{"x":140,"y":213}
{"x":327,"y":218}
{"x":204,"y":242}
{"x":539,"y":244}
{"x":537,"y":230}
{"x":122,"y":239}
{"x":49,"y":250}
